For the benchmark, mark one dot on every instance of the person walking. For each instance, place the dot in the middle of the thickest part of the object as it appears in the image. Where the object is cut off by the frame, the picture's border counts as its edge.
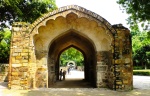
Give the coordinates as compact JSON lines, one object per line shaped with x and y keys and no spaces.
{"x":64,"y":74}
{"x":69,"y":70}
{"x":60,"y":74}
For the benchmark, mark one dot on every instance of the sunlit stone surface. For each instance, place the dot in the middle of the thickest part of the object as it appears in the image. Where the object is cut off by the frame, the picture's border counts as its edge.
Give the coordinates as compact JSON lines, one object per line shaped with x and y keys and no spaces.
{"x":35,"y":49}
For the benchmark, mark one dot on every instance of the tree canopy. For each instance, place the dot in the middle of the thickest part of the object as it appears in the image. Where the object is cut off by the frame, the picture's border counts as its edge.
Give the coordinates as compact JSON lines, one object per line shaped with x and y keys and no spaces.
{"x":71,"y":54}
{"x":139,"y":12}
{"x":141,"y":48}
{"x":19,"y":11}
{"x":23,"y":10}
{"x":4,"y":45}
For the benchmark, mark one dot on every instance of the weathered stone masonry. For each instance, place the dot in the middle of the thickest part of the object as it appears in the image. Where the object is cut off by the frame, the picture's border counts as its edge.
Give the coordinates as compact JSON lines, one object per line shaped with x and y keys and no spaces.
{"x":31,"y":58}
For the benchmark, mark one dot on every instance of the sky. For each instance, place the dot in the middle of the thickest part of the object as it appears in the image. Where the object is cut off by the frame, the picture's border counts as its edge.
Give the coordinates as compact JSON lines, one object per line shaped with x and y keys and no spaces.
{"x":107,"y":9}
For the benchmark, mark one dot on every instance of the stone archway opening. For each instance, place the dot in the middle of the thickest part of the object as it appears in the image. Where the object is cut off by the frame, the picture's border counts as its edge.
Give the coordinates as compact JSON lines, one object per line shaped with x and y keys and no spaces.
{"x":75,"y":77}
{"x":71,"y":59}
{"x":77,"y":41}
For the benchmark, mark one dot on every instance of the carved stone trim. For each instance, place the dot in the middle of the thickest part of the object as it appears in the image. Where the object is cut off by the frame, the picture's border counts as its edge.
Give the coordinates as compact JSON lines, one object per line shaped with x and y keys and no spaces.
{"x":74,"y":8}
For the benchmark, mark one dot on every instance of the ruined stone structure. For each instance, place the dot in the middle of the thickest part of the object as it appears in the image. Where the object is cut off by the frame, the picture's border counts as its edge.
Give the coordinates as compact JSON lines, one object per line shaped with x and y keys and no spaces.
{"x":36,"y":48}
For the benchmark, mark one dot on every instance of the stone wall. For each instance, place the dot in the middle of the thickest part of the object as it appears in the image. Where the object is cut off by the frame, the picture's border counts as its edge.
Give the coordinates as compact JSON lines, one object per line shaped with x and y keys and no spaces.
{"x":122,"y":60}
{"x":19,"y":68}
{"x":114,"y":69}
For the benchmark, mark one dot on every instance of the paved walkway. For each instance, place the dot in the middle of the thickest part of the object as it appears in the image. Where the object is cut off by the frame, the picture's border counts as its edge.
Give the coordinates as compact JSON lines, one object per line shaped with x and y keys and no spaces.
{"x":141,"y":82}
{"x":73,"y":80}
{"x":141,"y":88}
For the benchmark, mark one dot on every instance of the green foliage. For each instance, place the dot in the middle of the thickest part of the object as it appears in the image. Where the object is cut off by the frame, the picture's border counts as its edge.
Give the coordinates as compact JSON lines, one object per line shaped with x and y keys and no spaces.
{"x":138,"y":11}
{"x":2,"y":68}
{"x":23,"y":10}
{"x":4,"y":45}
{"x":141,"y":49}
{"x":137,"y":67}
{"x":71,"y":54}
{"x":141,"y":72}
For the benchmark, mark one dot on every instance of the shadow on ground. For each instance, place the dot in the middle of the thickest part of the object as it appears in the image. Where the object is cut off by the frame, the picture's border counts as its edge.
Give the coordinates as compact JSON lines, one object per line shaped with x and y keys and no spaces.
{"x":72,"y":83}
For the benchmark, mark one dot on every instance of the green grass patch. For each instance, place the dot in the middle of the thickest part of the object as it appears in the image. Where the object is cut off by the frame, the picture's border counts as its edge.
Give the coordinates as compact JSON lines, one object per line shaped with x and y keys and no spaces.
{"x":141,"y":72}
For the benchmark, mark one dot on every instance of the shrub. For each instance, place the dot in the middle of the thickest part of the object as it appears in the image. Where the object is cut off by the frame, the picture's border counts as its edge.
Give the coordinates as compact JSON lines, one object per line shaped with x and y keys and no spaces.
{"x":141,"y":72}
{"x":138,"y":67}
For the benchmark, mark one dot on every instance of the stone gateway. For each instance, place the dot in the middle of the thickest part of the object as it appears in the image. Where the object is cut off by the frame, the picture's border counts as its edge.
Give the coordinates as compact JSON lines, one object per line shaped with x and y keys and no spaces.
{"x":36,"y":48}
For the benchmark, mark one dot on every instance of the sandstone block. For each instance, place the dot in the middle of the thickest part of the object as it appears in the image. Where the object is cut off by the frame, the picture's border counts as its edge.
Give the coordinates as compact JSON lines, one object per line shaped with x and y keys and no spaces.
{"x":18,"y":50}
{"x":18,"y":57}
{"x":16,"y":87}
{"x":16,"y":65}
{"x":23,"y":69}
{"x":15,"y":82}
{"x":13,"y":59}
{"x":24,"y":54}
{"x":25,"y":64}
{"x":125,"y":81}
{"x":119,"y":82}
{"x":25,"y":50}
{"x":14,"y":73}
{"x":17,"y":61}
{"x":15,"y":54}
{"x":24,"y":61}
{"x":23,"y":82}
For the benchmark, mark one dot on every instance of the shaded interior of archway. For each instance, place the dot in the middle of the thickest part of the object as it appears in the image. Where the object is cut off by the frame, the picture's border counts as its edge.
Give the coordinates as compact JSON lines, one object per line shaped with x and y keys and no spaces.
{"x":81,"y":43}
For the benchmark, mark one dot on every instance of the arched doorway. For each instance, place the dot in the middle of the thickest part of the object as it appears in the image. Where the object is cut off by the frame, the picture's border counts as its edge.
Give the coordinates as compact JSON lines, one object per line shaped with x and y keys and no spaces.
{"x":73,"y":39}
{"x":36,"y":48}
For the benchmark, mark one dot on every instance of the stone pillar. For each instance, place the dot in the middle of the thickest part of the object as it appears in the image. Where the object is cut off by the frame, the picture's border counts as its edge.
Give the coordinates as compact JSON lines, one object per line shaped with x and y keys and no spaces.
{"x":19,"y":57}
{"x":122,"y":60}
{"x":32,"y":63}
{"x":41,"y":74}
{"x":103,"y":62}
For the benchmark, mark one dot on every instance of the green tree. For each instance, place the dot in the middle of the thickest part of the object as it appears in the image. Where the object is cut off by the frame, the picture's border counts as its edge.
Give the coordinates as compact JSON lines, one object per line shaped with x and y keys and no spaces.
{"x":4,"y":45}
{"x":23,"y":10}
{"x":19,"y":11}
{"x":71,"y":54}
{"x":138,"y":11}
{"x":141,"y":49}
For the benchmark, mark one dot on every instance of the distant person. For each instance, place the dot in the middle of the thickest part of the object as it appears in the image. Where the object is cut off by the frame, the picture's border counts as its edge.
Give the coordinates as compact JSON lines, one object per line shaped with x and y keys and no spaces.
{"x":60,"y":74}
{"x":64,"y":74}
{"x":69,"y":70}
